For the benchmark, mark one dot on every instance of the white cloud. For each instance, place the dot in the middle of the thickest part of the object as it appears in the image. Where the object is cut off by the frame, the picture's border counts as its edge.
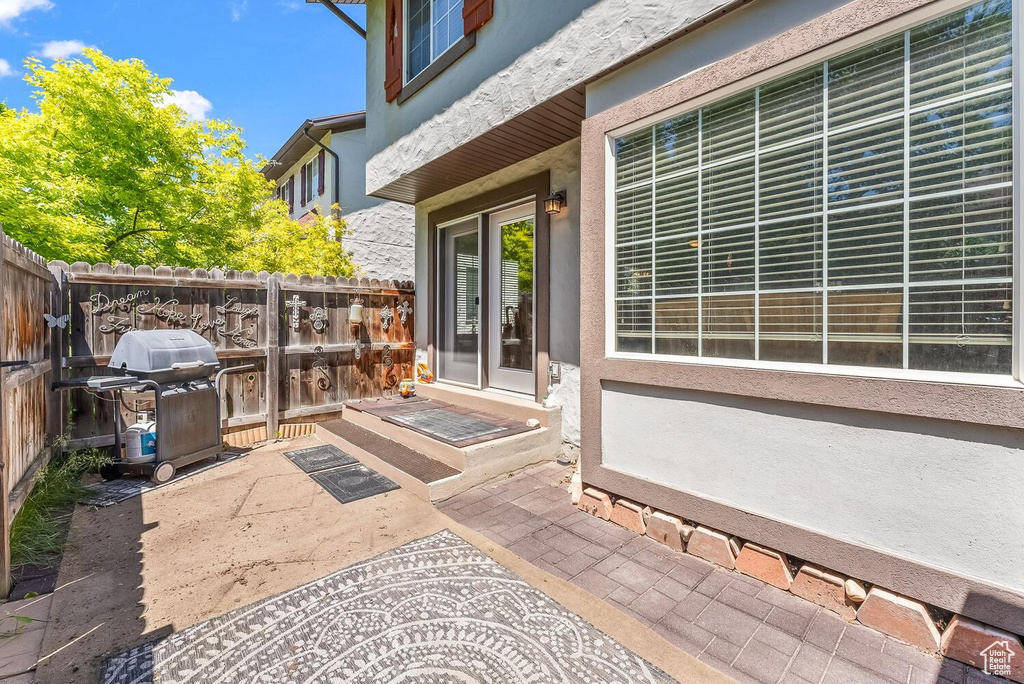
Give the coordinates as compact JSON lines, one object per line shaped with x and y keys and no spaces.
{"x":61,"y":49}
{"x":194,"y":104}
{"x":238,"y":8}
{"x":12,"y":9}
{"x":5,"y":68}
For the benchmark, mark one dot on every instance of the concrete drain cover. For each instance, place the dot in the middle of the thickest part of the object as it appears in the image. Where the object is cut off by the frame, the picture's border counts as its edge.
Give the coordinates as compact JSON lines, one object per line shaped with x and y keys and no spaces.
{"x":434,"y":610}
{"x":319,"y":458}
{"x":352,"y":484}
{"x":447,"y":425}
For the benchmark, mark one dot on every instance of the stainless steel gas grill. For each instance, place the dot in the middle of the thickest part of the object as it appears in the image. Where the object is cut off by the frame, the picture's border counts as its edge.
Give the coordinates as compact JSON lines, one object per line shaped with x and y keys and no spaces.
{"x":178,"y":372}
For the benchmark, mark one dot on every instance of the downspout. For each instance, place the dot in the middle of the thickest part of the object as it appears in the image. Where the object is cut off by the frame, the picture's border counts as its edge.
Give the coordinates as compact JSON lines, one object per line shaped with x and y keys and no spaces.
{"x":336,"y":189}
{"x":337,"y":11}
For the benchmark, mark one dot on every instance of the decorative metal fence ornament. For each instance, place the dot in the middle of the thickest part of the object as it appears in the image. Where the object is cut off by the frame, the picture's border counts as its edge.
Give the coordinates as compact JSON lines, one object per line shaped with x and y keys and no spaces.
{"x":295,"y":306}
{"x":387,"y":317}
{"x":357,"y":352}
{"x":404,"y":310}
{"x":320,"y":365}
{"x":120,"y":319}
{"x":319,"y":319}
{"x":56,"y":321}
{"x":390,"y":379}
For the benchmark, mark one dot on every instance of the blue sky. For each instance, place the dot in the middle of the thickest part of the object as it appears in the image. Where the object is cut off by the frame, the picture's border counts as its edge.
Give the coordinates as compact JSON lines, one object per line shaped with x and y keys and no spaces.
{"x":266,"y":65}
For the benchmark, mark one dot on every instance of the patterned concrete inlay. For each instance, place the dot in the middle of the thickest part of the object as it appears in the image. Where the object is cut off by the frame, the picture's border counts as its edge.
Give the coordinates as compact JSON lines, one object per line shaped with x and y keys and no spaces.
{"x":109,"y":493}
{"x":447,"y":425}
{"x":742,"y":627}
{"x":433,"y":610}
{"x":322,"y":457}
{"x":353,"y":483}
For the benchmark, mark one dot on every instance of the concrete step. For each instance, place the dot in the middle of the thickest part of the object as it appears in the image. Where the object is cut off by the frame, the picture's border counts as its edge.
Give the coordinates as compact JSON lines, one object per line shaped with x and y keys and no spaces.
{"x":423,"y":476}
{"x":467,"y":466}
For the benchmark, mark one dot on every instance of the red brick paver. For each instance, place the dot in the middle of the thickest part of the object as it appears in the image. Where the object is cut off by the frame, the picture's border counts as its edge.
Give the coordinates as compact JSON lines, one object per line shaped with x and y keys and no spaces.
{"x":743,"y":627}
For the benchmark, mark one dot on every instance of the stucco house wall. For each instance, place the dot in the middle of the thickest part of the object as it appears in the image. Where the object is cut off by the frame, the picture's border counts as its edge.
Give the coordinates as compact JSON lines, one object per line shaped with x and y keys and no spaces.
{"x":522,"y":58}
{"x":888,"y":481}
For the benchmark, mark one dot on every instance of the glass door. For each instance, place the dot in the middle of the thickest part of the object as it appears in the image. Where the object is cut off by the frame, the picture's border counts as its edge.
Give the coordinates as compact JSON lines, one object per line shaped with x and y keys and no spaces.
{"x":510,"y":292}
{"x":459,"y":339}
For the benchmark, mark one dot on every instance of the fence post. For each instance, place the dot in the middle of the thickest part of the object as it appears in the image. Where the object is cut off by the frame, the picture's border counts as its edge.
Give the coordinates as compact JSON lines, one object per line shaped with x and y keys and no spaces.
{"x":273,"y":353}
{"x":55,"y":400}
{"x":5,"y":522}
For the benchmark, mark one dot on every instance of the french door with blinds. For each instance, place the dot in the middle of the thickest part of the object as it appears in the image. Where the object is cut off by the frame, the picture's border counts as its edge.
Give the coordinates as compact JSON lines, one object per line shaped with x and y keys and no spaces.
{"x":459,"y":341}
{"x":856,"y":213}
{"x":503,"y":241}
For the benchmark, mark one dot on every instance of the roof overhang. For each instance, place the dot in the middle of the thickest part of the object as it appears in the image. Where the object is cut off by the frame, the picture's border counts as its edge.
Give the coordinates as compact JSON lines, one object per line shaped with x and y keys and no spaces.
{"x":547,"y":125}
{"x":298,"y":145}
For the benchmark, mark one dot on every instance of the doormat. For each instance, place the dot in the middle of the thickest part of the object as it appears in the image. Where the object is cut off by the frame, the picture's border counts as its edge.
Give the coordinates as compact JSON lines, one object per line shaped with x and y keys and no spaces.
{"x":353,"y":483}
{"x":319,"y":458}
{"x":108,"y":493}
{"x":434,"y":610}
{"x":447,"y":425}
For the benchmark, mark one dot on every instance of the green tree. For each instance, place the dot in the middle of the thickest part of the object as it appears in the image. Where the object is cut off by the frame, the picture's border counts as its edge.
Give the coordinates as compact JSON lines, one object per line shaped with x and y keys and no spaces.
{"x":106,"y":171}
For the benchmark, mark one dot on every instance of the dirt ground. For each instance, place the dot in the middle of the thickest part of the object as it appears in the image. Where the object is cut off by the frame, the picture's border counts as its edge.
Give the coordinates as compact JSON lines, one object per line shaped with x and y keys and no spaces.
{"x":243,"y":531}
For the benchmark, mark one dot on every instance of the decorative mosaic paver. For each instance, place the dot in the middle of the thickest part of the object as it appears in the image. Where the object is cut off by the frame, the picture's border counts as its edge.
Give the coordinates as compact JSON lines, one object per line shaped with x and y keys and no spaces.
{"x":447,"y":424}
{"x":320,"y":457}
{"x":108,"y":493}
{"x":353,"y":483}
{"x":433,"y":610}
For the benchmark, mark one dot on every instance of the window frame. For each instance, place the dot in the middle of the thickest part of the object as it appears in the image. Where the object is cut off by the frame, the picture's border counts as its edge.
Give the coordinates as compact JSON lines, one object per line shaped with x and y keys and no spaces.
{"x":407,"y":76}
{"x":839,"y":48}
{"x":312,"y":179}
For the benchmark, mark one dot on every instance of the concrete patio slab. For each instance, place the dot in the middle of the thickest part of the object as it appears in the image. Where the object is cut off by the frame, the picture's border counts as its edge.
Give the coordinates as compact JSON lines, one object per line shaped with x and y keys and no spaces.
{"x":182,"y":554}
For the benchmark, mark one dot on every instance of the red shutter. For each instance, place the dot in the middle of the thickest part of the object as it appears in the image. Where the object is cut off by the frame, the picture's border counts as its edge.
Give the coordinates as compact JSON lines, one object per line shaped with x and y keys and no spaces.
{"x":302,"y":182}
{"x":291,"y":194}
{"x":320,"y":165}
{"x":476,"y":13}
{"x":393,"y":46}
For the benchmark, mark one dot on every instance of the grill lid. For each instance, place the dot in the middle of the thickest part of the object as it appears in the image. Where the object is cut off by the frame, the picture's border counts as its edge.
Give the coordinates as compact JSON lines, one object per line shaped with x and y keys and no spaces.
{"x":172,"y":354}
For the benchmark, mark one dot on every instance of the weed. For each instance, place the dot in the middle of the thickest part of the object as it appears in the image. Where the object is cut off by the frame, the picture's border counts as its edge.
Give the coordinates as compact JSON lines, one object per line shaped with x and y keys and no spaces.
{"x":37,"y":534}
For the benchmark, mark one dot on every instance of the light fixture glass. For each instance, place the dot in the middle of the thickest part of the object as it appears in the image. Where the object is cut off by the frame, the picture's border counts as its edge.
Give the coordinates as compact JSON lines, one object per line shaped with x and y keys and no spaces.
{"x":554,"y":203}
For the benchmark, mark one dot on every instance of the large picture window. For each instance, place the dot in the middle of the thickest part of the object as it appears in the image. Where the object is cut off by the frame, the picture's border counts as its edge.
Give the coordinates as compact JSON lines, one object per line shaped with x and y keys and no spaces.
{"x":856,"y":213}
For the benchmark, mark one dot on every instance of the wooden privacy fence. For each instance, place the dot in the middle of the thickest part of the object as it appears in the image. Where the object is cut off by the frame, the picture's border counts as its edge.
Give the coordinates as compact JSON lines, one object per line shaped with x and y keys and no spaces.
{"x":60,"y":321}
{"x":27,"y":426}
{"x":295,"y":329}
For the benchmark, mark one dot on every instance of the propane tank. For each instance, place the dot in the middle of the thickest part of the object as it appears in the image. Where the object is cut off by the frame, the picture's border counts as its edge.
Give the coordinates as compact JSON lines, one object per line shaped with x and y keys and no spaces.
{"x":140,"y":440}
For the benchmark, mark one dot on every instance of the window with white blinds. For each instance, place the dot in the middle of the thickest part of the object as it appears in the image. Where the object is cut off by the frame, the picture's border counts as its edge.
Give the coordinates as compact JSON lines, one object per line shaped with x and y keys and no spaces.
{"x":856,"y":213}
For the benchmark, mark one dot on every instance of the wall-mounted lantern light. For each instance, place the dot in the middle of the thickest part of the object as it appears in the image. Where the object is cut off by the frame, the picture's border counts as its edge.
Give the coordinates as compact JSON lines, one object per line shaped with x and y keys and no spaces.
{"x":554,"y":203}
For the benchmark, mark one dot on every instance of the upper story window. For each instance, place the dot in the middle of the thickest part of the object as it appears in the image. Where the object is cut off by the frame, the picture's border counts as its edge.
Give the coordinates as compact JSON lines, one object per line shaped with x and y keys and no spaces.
{"x":312,"y":176}
{"x":433,"y":27}
{"x":857,"y":213}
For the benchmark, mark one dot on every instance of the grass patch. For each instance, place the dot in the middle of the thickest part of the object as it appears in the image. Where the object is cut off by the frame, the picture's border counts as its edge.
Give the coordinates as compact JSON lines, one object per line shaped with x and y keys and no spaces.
{"x":38,"y":531}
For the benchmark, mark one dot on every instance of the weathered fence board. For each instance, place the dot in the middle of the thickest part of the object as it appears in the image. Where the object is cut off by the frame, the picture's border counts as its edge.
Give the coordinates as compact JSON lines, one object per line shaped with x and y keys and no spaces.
{"x":25,"y":346}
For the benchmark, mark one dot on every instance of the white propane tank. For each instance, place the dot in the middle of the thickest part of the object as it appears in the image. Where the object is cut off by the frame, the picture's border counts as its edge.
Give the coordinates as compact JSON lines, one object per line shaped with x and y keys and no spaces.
{"x":140,"y":441}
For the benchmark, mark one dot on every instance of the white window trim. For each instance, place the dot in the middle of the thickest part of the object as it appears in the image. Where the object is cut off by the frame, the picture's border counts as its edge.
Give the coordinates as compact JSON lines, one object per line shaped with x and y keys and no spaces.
{"x":839,"y":48}
{"x":312,"y":181}
{"x":406,"y":75}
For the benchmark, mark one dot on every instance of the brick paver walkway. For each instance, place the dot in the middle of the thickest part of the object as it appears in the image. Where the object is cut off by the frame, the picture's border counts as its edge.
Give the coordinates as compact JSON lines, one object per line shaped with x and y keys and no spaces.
{"x":749,"y":630}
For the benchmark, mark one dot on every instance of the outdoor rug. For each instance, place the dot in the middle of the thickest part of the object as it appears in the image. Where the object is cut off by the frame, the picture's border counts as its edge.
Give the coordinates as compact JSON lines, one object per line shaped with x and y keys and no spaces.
{"x":434,"y":610}
{"x":458,"y":426}
{"x":320,"y":457}
{"x":108,"y":493}
{"x":353,"y":483}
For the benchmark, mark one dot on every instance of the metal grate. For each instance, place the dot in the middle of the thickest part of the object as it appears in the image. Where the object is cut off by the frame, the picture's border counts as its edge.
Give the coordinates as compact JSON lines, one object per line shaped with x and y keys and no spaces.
{"x":447,"y":425}
{"x":318,"y":458}
{"x":353,"y":483}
